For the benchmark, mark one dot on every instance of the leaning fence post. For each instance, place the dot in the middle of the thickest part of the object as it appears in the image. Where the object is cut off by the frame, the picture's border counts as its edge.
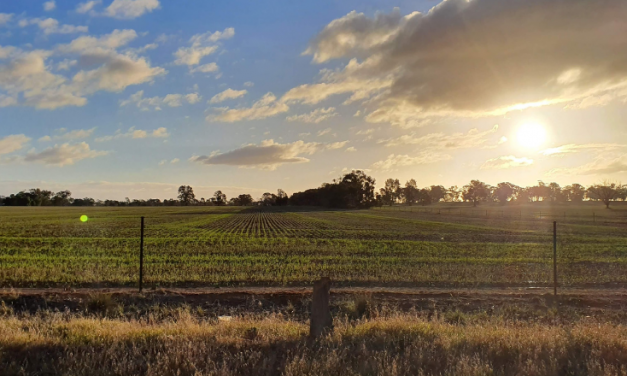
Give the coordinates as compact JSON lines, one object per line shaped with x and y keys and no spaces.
{"x":141,"y":255}
{"x":555,"y":259}
{"x":321,"y":319}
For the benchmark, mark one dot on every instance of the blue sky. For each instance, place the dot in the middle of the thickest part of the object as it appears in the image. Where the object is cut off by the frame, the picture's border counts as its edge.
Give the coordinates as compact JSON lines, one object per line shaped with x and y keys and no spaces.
{"x":134,"y":97}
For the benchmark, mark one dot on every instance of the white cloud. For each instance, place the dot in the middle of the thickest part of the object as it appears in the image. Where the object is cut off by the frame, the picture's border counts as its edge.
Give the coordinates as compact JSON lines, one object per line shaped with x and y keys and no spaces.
{"x":129,"y":9}
{"x":165,"y":161}
{"x":192,"y":56}
{"x":93,"y":46}
{"x":577,"y":148}
{"x":114,"y":71}
{"x":193,"y":98}
{"x":9,"y":144}
{"x":265,"y":107}
{"x":394,"y":162}
{"x":316,"y":116}
{"x":205,"y":68}
{"x":354,"y":78}
{"x":161,"y":132}
{"x":605,"y":164}
{"x":171,"y":100}
{"x":227,"y":94}
{"x":268,"y":155}
{"x":365,"y":132}
{"x":87,"y":6}
{"x":201,"y":45}
{"x":459,"y":59}
{"x":49,"y":5}
{"x":133,"y":133}
{"x":336,"y":145}
{"x":141,"y":50}
{"x":116,"y":74}
{"x":51,"y":26}
{"x":504,"y":162}
{"x":350,"y":149}
{"x":26,"y":73}
{"x":66,"y":64}
{"x":63,"y":155}
{"x":324,"y":131}
{"x":6,"y":101}
{"x":472,"y":139}
{"x":5,"y":18}
{"x":249,"y":84}
{"x":76,"y":134}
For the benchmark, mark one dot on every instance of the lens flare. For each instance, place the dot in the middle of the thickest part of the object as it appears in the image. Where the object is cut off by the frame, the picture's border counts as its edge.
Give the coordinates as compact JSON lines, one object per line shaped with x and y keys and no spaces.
{"x":84,"y":218}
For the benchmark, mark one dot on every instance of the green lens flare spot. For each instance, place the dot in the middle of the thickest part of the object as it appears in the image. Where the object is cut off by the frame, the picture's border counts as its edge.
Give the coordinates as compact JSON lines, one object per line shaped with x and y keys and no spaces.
{"x":84,"y":218}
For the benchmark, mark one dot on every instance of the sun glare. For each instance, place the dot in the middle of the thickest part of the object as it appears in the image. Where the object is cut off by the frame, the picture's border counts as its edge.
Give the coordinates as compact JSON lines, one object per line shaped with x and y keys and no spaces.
{"x":531,"y":135}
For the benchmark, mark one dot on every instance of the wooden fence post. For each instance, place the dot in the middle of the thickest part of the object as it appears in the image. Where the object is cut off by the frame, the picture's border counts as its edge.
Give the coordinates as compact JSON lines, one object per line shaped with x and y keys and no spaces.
{"x":141,"y":256}
{"x":555,"y":259}
{"x":321,"y":320}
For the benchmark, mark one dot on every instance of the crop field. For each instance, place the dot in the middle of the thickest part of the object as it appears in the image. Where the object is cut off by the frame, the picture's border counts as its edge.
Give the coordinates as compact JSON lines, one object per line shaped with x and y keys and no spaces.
{"x":438,"y":245}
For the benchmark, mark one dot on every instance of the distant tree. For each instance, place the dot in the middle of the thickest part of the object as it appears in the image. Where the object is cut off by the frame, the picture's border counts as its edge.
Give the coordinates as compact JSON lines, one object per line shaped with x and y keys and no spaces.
{"x":575,"y":192}
{"x":268,"y":199}
{"x":353,"y":190}
{"x":245,"y":199}
{"x":475,"y":192}
{"x":398,"y":190}
{"x":62,"y":198}
{"x":388,"y":192}
{"x":219,"y":198}
{"x":359,"y":189}
{"x":437,"y":193}
{"x":554,"y":192}
{"x":622,"y":192}
{"x":87,"y":201}
{"x":281,"y":198}
{"x":522,"y":196}
{"x":453,"y":194}
{"x":40,"y":197}
{"x":186,"y":195}
{"x":504,"y":192}
{"x":605,"y":192}
{"x":540,"y":192}
{"x":410,"y":192}
{"x":378,"y":200}
{"x":424,"y":196}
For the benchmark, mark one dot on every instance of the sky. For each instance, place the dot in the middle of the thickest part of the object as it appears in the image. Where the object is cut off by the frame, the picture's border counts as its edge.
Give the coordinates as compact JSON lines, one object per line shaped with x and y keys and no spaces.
{"x":133,"y":98}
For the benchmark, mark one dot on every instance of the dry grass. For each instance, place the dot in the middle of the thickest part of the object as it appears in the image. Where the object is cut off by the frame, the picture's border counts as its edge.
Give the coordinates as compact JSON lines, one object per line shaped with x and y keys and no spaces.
{"x":396,"y":344}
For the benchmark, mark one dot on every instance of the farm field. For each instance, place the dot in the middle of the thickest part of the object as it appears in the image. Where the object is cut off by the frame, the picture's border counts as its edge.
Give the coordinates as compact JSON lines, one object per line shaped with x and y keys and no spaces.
{"x":437,"y":245}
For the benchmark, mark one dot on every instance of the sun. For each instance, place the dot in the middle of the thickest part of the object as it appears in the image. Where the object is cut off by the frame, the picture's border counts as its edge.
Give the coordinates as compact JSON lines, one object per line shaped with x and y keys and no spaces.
{"x":531,"y":135}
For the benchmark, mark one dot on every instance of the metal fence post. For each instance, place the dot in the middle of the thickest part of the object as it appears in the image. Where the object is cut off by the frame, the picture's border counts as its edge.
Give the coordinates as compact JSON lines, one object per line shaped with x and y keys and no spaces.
{"x":555,"y":258}
{"x":141,"y":256}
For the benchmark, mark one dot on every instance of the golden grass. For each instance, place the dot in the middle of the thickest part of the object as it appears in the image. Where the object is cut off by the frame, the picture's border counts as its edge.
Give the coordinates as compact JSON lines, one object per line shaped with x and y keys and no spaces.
{"x":62,"y":343}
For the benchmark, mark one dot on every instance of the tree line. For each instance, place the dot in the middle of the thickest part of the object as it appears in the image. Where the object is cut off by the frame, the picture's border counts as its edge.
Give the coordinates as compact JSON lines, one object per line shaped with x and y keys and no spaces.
{"x":352,"y":190}
{"x":477,"y":192}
